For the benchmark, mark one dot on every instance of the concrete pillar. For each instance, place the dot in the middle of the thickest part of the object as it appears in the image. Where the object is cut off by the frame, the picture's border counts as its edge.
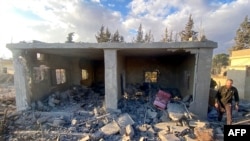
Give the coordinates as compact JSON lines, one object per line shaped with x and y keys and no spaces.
{"x":21,"y":81}
{"x":199,"y":106}
{"x":111,"y":78}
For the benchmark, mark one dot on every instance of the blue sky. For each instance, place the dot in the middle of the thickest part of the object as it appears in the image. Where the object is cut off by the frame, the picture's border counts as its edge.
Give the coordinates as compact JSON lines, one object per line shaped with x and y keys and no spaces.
{"x":51,"y":20}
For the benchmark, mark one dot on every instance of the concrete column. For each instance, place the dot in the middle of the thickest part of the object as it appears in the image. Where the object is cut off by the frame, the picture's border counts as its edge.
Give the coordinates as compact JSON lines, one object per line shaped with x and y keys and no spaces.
{"x":21,"y":81}
{"x":199,"y":106}
{"x":111,"y":78}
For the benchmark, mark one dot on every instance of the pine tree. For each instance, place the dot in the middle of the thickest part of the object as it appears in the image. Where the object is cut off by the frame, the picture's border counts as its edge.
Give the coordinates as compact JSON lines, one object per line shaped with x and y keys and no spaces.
{"x":170,"y":37}
{"x":116,"y":37}
{"x":107,"y":36}
{"x":165,"y":38}
{"x":139,"y":38}
{"x":70,"y":38}
{"x":242,"y":39}
{"x":101,"y":35}
{"x":188,"y":32}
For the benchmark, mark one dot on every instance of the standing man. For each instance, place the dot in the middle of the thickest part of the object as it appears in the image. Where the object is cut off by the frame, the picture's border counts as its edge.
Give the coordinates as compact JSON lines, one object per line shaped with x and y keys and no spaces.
{"x":224,"y":98}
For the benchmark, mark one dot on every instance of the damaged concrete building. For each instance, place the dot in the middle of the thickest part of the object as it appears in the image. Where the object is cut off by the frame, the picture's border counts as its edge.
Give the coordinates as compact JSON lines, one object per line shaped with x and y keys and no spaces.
{"x":41,"y":68}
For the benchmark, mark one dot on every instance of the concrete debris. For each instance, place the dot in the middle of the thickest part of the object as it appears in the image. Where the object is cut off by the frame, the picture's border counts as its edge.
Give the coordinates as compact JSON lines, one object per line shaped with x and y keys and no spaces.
{"x":110,"y":129}
{"x":78,"y":114}
{"x":125,"y":120}
{"x":168,"y":137}
{"x":202,"y":124}
{"x":130,"y":131}
{"x":176,"y":111}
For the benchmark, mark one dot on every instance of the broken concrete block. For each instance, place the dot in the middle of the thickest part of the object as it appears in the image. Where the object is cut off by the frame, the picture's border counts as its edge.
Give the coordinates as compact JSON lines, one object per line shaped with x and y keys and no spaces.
{"x":95,"y":111}
{"x":86,"y":138}
{"x":204,"y":134}
{"x":58,"y":122}
{"x":51,"y":103}
{"x":125,"y":120}
{"x":165,"y":117}
{"x":144,"y":127}
{"x":167,"y":137}
{"x":151,"y":113}
{"x":84,"y":113}
{"x":111,"y":128}
{"x":176,"y":111}
{"x":42,"y":120}
{"x":142,"y":139}
{"x":177,"y":129}
{"x":130,"y":131}
{"x":74,"y":122}
{"x":202,"y":124}
{"x":164,"y":125}
{"x":151,"y":132}
{"x":188,"y":138}
{"x":126,"y":138}
{"x":97,"y":135}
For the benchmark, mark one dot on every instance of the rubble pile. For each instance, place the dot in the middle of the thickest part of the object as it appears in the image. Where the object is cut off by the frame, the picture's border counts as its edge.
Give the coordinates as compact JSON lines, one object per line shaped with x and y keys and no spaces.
{"x":79,"y":114}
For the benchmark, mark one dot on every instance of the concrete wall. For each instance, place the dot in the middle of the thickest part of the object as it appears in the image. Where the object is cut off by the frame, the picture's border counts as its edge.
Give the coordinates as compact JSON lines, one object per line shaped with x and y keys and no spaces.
{"x":247,"y":86}
{"x":238,"y":74}
{"x":176,"y":71}
{"x":41,"y":89}
{"x":185,"y":75}
{"x":137,"y":66}
{"x":120,"y":74}
{"x":199,"y":106}
{"x":89,"y":66}
{"x":75,"y":70}
{"x":4,"y":63}
{"x":99,"y":71}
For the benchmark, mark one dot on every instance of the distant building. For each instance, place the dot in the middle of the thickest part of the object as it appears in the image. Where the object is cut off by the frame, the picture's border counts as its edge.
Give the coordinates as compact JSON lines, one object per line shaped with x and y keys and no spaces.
{"x":6,"y":66}
{"x":239,"y":71}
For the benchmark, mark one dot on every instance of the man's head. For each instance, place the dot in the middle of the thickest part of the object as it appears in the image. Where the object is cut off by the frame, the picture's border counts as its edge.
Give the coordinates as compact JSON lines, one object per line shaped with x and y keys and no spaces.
{"x":229,"y":83}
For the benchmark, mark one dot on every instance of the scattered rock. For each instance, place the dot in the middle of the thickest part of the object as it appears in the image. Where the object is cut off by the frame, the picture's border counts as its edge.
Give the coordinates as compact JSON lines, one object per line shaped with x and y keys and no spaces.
{"x":130,"y":131}
{"x":74,"y":122}
{"x":164,"y":125}
{"x":125,"y":120}
{"x":151,"y":114}
{"x":168,"y":137}
{"x":42,"y":120}
{"x":86,"y":138}
{"x":111,"y":128}
{"x":176,"y":111}
{"x":202,"y":124}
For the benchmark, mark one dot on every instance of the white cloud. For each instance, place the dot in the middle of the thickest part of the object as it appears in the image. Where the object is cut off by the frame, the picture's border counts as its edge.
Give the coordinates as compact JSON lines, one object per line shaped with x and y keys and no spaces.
{"x":219,"y":21}
{"x":52,"y":20}
{"x":97,"y":1}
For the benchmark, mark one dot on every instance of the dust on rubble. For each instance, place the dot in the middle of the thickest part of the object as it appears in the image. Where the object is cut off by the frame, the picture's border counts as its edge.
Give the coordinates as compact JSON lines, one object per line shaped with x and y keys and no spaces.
{"x":79,"y":114}
{"x":7,"y":100}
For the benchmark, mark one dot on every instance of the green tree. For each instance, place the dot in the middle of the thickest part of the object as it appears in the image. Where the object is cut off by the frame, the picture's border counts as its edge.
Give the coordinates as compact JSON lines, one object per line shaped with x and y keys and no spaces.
{"x":219,"y":61}
{"x":188,"y":32}
{"x":242,"y":39}
{"x":70,"y":38}
{"x":139,"y":37}
{"x":148,"y":37}
{"x":117,"y":37}
{"x":167,"y":37}
{"x":103,"y":36}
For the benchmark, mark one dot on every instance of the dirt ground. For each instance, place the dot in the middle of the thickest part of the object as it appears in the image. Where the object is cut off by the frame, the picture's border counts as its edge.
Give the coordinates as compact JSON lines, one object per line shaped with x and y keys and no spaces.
{"x":7,"y":99}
